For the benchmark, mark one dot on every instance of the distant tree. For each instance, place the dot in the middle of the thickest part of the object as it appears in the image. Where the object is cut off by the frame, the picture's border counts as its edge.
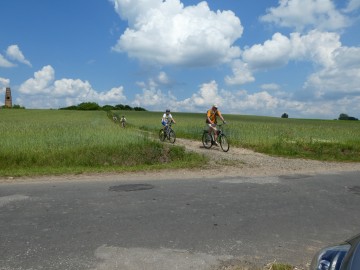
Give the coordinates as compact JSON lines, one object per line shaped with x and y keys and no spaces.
{"x":139,"y":109}
{"x":108,"y":108}
{"x":119,"y":107}
{"x":344,"y":116}
{"x":88,"y":106}
{"x":15,"y":106}
{"x":69,"y":108}
{"x":92,"y":106}
{"x":284,"y":115}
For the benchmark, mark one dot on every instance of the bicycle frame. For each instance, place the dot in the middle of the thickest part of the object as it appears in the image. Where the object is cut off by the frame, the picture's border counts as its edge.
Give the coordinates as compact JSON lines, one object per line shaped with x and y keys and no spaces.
{"x":168,"y":129}
{"x":167,"y":133}
{"x":208,"y":139}
{"x":219,"y":133}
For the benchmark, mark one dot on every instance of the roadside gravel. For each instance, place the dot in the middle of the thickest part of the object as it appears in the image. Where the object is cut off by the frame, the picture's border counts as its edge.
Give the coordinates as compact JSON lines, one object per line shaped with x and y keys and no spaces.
{"x":245,"y":162}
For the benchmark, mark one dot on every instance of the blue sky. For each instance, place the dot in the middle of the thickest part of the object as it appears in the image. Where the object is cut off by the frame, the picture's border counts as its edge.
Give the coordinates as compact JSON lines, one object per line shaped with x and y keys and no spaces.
{"x":262,"y":57}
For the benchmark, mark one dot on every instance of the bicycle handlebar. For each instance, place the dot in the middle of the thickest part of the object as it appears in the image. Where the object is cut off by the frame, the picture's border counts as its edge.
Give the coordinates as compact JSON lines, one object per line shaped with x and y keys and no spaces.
{"x":224,"y":123}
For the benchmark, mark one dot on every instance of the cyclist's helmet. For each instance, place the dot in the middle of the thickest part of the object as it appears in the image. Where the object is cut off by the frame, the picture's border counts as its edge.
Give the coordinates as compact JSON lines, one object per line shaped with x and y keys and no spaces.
{"x":167,"y":110}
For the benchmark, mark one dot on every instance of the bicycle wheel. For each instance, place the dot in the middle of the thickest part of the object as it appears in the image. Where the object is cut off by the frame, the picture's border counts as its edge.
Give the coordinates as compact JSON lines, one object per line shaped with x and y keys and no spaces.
{"x":162,"y":135}
{"x":224,"y":143}
{"x":206,"y":140}
{"x":172,"y":136}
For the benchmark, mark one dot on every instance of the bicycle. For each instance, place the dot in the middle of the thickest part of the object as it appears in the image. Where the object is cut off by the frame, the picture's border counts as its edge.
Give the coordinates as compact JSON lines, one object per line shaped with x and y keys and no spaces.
{"x":208,"y":139}
{"x":167,"y":133}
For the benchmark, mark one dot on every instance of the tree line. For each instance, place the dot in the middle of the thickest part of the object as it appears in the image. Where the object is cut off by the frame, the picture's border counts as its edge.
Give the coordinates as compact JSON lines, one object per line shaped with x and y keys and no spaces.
{"x":15,"y":106}
{"x":93,"y":106}
{"x":342,"y":116}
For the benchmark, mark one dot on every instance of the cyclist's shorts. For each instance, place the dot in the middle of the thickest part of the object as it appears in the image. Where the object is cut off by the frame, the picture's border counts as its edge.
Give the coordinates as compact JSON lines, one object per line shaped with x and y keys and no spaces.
{"x":212,"y":125}
{"x":163,"y":123}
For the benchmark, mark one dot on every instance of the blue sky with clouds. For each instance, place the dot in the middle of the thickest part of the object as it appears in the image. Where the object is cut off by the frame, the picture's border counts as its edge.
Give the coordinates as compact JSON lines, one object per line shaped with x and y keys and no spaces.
{"x":262,"y":57}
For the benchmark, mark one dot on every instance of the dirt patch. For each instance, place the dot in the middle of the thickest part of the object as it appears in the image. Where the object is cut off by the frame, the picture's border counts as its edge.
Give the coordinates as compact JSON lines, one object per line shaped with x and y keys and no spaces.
{"x":236,"y":162}
{"x":245,"y":162}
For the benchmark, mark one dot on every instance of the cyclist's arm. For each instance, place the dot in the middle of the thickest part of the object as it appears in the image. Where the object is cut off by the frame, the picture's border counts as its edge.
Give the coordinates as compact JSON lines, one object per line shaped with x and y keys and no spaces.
{"x":221,"y":117}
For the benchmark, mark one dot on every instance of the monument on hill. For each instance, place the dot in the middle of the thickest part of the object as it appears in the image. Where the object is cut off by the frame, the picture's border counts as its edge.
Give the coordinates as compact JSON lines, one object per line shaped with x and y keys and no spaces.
{"x":8,"y":99}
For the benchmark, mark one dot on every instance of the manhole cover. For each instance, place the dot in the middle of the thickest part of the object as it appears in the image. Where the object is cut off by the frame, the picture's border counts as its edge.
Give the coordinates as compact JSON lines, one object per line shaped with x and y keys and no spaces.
{"x":355,"y":190}
{"x":131,"y":187}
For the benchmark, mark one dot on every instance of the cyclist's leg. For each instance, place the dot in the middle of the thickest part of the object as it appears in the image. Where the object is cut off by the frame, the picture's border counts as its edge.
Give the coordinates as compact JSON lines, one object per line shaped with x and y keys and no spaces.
{"x":215,"y":132}
{"x":164,"y":125}
{"x":211,"y":129}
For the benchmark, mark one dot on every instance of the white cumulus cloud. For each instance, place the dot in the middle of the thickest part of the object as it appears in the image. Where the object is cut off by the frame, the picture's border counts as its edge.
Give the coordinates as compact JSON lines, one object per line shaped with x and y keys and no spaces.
{"x":4,"y":82}
{"x":272,"y":53}
{"x":307,"y":14}
{"x":352,"y":6}
{"x":40,"y":83}
{"x":336,"y":66}
{"x":207,"y":95}
{"x":5,"y":63}
{"x":167,"y":33}
{"x":14,"y":53}
{"x":241,"y":74}
{"x":44,"y":91}
{"x":314,"y":46}
{"x":265,"y":101}
{"x":342,"y":77}
{"x":163,"y":78}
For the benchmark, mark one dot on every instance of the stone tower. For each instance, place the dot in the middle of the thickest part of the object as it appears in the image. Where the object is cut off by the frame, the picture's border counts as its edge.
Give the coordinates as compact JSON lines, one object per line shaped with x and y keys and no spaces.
{"x":8,"y":99}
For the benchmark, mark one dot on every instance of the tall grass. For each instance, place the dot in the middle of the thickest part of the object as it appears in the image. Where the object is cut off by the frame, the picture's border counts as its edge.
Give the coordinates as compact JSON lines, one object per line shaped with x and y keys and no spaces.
{"x":49,"y":141}
{"x":77,"y":140}
{"x":304,"y":138}
{"x":315,"y":139}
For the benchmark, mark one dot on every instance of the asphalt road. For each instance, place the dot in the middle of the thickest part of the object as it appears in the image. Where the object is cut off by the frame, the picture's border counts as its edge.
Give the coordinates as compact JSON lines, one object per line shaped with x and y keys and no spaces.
{"x":175,"y":224}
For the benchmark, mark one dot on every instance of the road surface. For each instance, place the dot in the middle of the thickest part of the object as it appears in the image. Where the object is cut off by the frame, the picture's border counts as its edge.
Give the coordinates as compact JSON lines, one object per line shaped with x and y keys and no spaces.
{"x":176,"y":223}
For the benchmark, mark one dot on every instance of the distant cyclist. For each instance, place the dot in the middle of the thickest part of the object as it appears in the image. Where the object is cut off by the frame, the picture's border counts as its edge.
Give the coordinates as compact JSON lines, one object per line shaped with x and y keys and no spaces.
{"x":211,"y":120}
{"x":167,"y":118}
{"x":123,"y":121}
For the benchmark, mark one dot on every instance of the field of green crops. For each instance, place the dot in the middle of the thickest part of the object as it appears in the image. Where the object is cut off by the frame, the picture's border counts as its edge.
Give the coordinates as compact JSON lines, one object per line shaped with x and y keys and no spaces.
{"x":300,"y":138}
{"x":54,"y":141}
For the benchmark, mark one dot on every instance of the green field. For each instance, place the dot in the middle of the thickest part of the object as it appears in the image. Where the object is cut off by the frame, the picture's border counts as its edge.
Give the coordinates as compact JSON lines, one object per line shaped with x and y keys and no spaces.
{"x":56,"y":142}
{"x":301,"y":138}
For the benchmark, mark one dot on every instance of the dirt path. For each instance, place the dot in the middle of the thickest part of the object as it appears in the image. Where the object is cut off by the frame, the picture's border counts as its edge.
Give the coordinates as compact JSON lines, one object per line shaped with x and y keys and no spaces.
{"x":244,"y":162}
{"x":236,"y":162}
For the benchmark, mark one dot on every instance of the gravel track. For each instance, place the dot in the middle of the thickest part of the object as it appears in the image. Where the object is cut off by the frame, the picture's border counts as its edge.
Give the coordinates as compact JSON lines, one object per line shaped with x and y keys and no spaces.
{"x":245,"y":162}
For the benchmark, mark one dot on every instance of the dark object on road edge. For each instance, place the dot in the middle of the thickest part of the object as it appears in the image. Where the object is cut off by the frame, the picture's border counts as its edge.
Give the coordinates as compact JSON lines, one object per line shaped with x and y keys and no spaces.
{"x":345,"y":256}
